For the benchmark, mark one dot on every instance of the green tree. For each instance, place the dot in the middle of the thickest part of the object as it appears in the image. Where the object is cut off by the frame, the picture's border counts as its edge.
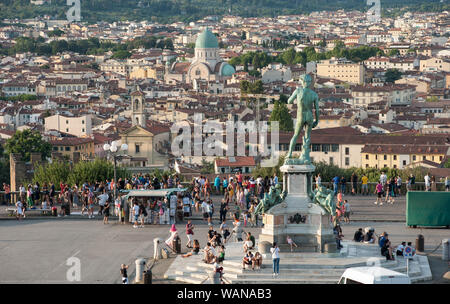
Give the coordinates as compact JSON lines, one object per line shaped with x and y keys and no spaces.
{"x":432,"y":99}
{"x":97,"y":170}
{"x":447,"y":164}
{"x":281,"y":114}
{"x":392,"y":75}
{"x":26,"y":142}
{"x":54,"y":172}
{"x":393,"y":52}
{"x":122,"y":54}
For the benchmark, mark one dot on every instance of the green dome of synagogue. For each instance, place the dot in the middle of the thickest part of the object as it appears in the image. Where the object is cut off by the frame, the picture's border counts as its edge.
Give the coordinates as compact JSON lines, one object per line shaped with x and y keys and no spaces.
{"x":227,"y":70}
{"x":206,"y":40}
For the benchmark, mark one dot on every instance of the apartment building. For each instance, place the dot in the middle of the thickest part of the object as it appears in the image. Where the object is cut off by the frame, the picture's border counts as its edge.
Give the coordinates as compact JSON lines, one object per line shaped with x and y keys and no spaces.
{"x":435,"y":64}
{"x":68,"y":145}
{"x":77,"y":126}
{"x":342,"y":69}
{"x":398,"y":94}
{"x":400,"y":156}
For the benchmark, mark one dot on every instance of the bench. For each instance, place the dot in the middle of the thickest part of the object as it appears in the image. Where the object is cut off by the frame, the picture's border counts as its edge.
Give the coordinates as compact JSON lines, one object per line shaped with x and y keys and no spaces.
{"x":13,"y":211}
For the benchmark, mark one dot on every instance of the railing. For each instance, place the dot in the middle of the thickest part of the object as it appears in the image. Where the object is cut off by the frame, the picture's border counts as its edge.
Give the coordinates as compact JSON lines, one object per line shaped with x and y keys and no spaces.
{"x":418,"y":186}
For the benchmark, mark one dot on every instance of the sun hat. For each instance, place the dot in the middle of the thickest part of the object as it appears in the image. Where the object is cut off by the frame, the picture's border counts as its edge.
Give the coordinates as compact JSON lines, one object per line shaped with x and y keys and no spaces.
{"x":173,"y":229}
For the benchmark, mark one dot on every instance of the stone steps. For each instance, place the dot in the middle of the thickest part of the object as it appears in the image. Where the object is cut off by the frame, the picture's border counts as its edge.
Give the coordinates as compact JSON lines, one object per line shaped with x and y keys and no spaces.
{"x":296,"y":268}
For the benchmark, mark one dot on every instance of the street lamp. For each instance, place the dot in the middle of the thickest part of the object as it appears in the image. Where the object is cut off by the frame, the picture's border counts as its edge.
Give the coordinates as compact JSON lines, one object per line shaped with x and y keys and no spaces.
{"x":114,"y":150}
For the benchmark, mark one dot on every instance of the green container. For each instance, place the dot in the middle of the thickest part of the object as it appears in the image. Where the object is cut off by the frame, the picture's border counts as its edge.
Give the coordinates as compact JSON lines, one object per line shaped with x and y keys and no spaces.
{"x":428,"y":208}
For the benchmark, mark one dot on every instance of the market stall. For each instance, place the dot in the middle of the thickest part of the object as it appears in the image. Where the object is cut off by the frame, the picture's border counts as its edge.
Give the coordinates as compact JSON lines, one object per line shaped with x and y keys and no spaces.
{"x":162,"y":205}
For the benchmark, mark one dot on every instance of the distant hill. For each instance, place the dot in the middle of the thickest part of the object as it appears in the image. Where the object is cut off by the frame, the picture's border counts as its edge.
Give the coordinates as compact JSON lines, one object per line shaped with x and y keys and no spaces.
{"x":190,"y":10}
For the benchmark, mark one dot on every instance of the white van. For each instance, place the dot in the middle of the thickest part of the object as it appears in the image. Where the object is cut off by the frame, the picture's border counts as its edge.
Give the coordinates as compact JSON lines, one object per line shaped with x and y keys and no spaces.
{"x":373,"y":275}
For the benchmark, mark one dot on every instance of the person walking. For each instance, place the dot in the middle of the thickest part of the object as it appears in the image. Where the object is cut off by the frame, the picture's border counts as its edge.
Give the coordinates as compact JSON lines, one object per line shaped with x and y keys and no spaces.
{"x":223,"y":210}
{"x":123,"y":272}
{"x":189,"y":233}
{"x":275,"y":251}
{"x":390,"y":191}
{"x":379,"y":192}
{"x":347,"y":211}
{"x":447,"y":184}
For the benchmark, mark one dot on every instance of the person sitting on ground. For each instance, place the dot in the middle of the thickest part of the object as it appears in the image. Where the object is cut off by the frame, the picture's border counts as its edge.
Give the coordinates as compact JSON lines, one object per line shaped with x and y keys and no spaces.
{"x":195,"y":250}
{"x":216,"y":240}
{"x":291,"y":243}
{"x":400,"y":248}
{"x":248,"y":244}
{"x":382,"y":239}
{"x":248,"y":260}
{"x":369,"y":237}
{"x":386,"y":250}
{"x":209,"y":253}
{"x":257,"y":259}
{"x":210,"y":233}
{"x":221,"y":255}
{"x":359,"y":236}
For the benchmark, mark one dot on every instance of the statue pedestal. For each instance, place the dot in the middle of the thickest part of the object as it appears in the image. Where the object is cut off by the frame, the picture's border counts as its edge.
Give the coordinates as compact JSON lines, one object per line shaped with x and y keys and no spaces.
{"x":305,"y":222}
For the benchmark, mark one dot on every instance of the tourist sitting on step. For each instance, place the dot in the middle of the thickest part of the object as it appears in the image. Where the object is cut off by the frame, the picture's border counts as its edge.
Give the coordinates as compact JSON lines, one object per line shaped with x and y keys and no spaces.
{"x":248,"y":245}
{"x":216,"y":240}
{"x":382,"y":239}
{"x":369,"y":237}
{"x":248,"y":260}
{"x":386,"y":250}
{"x":291,"y":243}
{"x":257,"y":259}
{"x":400,"y":248}
{"x":249,"y":242}
{"x":195,"y":250}
{"x":221,"y":254}
{"x":209,"y":254}
{"x":359,"y":236}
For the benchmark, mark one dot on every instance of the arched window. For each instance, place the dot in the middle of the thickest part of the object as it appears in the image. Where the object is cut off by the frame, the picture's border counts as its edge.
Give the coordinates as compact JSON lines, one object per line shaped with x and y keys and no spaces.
{"x":136,"y":104}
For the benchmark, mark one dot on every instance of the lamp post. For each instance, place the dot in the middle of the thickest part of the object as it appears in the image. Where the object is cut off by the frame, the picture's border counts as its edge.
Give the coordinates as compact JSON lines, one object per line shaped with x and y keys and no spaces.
{"x":114,"y":150}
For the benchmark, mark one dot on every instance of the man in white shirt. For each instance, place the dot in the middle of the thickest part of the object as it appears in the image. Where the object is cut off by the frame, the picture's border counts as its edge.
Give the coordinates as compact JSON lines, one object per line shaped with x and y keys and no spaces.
{"x":136,"y":213}
{"x":427,"y":182}
{"x":102,"y":198}
{"x":205,"y":210}
{"x":383,"y":178}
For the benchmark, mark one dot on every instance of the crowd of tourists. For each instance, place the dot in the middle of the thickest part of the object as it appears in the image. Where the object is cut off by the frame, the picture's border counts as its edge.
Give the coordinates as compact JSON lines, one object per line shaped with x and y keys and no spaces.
{"x":85,"y":196}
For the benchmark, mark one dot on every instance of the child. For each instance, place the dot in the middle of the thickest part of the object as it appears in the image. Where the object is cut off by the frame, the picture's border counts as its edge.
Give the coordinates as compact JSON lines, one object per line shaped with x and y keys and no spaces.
{"x":245,"y":218}
{"x":291,"y":243}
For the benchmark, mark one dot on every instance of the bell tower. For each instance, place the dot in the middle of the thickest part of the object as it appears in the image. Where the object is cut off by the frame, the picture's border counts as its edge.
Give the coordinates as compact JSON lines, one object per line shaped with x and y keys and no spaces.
{"x":137,"y":109}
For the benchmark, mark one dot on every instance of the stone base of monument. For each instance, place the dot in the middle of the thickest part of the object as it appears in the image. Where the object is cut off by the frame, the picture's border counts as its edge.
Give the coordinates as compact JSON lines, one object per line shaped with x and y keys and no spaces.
{"x":306,"y":223}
